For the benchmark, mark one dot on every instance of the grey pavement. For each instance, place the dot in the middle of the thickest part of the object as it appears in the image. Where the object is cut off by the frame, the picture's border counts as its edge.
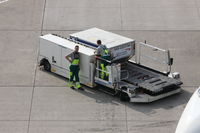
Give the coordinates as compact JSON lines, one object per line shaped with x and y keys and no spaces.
{"x":35,"y":101}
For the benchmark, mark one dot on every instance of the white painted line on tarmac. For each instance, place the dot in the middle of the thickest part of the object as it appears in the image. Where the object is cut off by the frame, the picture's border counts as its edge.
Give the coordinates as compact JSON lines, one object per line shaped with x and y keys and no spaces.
{"x":2,"y":1}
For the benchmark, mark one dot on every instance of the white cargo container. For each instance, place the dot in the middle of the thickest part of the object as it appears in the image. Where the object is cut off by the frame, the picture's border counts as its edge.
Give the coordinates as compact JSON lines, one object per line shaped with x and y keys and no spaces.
{"x":119,"y":46}
{"x":134,"y":82}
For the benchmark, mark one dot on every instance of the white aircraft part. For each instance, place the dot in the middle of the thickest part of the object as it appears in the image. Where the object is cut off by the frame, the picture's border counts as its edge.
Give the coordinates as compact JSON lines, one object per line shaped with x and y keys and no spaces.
{"x":2,"y":1}
{"x":190,"y":119}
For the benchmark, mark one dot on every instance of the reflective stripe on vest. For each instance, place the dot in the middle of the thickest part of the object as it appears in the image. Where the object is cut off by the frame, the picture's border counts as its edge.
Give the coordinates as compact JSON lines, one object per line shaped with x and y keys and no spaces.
{"x":75,"y":62}
{"x":106,"y":51}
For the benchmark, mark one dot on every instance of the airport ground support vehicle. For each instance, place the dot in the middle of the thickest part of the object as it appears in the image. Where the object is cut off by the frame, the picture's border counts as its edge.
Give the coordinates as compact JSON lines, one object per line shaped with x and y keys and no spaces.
{"x":128,"y":77}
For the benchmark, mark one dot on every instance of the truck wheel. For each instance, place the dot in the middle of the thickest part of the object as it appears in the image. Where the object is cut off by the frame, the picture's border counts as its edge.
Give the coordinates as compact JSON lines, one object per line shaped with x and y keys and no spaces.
{"x":124,"y":97}
{"x":47,"y":66}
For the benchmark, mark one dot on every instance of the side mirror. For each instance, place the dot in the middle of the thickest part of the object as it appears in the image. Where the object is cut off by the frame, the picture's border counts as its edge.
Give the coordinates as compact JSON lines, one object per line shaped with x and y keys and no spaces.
{"x":171,"y":61}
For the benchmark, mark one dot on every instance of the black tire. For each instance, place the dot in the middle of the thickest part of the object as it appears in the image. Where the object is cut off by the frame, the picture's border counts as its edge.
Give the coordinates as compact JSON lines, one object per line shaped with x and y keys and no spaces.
{"x":124,"y":97}
{"x":47,"y":66}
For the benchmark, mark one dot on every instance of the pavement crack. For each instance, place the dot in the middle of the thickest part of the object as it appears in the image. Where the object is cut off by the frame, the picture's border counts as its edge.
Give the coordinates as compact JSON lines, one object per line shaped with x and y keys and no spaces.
{"x":31,"y":106}
{"x":126,"y":118}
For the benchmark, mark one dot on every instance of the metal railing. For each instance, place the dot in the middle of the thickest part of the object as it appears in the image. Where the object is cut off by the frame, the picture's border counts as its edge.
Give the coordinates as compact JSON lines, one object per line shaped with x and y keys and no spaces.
{"x":98,"y":70}
{"x":166,"y":60}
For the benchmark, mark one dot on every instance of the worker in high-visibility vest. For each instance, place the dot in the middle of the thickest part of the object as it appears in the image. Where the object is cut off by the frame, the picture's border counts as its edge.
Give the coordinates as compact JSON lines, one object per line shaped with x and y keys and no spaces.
{"x":103,"y":52}
{"x":74,"y":59}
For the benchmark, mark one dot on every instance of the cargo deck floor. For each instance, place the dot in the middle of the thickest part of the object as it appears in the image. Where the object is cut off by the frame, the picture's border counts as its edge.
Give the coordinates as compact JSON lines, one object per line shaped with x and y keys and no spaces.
{"x":149,"y":79}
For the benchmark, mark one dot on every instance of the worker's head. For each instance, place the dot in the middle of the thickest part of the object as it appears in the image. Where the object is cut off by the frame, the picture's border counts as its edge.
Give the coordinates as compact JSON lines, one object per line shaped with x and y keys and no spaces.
{"x":76,"y":48}
{"x":98,"y":42}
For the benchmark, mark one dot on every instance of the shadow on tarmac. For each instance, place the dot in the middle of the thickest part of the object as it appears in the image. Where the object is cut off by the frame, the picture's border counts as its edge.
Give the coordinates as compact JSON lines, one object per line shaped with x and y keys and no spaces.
{"x":165,"y":103}
{"x":146,"y":108}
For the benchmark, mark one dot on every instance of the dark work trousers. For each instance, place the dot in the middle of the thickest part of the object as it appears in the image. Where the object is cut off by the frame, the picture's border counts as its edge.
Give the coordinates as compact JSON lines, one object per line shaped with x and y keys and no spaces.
{"x":74,"y":70}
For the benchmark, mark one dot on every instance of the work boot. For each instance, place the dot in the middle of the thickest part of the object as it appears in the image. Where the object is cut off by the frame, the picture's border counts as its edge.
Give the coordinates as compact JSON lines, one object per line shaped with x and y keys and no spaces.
{"x":70,"y":84}
{"x":78,"y":86}
{"x":106,"y":78}
{"x":72,"y":87}
{"x":81,"y":89}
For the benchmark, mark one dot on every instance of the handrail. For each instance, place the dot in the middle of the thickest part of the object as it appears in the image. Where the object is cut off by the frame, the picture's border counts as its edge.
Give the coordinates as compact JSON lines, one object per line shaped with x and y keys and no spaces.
{"x":156,"y":48}
{"x":98,"y":57}
{"x":102,"y":70}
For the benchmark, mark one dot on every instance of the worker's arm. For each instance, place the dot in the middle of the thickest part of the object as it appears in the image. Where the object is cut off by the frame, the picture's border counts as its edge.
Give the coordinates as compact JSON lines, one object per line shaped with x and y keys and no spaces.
{"x":98,"y":52}
{"x":68,"y":58}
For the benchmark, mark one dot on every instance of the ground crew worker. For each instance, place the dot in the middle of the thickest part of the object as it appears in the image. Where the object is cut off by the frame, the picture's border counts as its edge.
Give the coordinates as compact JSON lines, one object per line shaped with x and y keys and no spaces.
{"x":102,"y":51}
{"x":74,"y":59}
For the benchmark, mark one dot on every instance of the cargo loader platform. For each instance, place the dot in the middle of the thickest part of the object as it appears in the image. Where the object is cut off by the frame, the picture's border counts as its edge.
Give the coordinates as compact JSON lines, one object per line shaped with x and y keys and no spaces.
{"x":149,"y":81}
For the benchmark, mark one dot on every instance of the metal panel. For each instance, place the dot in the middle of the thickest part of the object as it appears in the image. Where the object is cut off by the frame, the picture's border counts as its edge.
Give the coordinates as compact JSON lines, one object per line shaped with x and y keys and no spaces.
{"x":51,"y":51}
{"x":67,"y":44}
{"x":109,"y":39}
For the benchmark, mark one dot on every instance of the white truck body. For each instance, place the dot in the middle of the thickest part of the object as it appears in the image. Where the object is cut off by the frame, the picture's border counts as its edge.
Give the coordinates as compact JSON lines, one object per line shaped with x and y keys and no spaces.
{"x":52,"y":46}
{"x":134,"y":82}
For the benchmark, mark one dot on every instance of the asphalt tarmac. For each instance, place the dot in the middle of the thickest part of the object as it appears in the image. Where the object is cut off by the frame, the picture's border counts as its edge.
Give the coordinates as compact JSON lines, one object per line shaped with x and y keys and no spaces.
{"x":35,"y":101}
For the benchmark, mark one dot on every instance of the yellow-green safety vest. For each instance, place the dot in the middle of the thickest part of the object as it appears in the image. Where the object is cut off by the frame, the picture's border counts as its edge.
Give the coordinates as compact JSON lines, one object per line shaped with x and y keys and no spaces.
{"x":75,"y":61}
